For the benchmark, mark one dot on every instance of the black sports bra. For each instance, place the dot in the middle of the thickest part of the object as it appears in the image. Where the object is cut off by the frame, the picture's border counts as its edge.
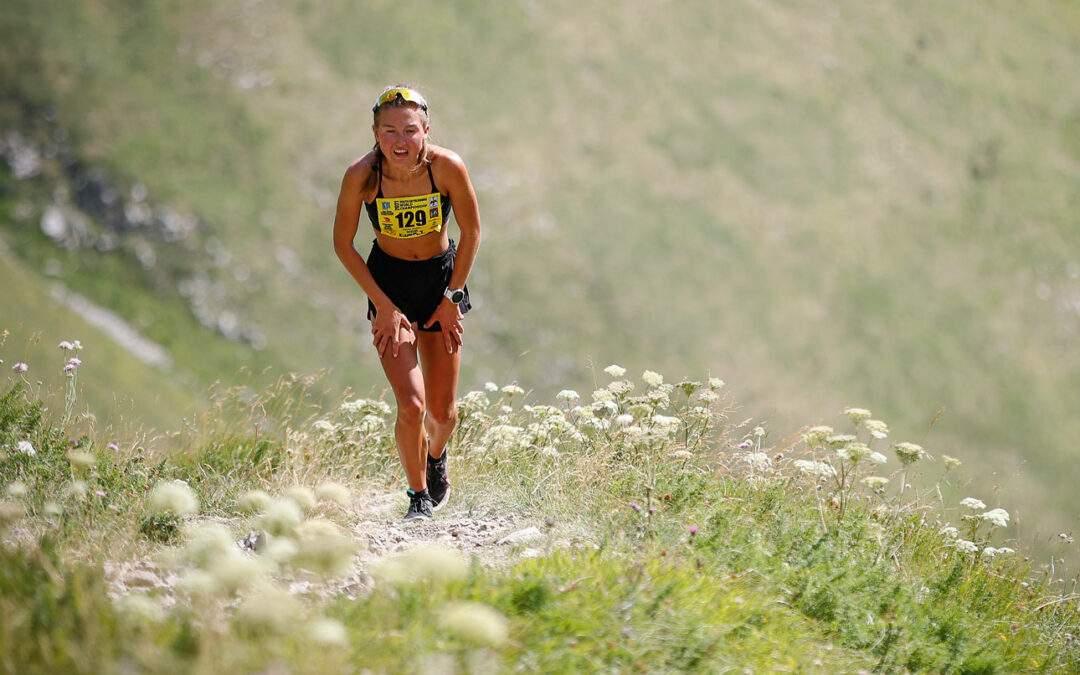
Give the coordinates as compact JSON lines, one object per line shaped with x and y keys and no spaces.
{"x":409,"y":217}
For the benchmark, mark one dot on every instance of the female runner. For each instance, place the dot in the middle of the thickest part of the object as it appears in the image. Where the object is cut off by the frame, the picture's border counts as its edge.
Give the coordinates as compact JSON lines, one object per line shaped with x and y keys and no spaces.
{"x":414,"y":279}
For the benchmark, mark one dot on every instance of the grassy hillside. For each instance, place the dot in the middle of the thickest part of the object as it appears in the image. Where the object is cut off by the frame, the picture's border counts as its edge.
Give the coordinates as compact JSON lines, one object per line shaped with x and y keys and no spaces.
{"x":827,"y":204}
{"x":636,"y":533}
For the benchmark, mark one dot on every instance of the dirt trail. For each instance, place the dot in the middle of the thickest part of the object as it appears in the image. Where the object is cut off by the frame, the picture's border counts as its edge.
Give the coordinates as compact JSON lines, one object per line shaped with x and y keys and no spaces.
{"x":376,"y":524}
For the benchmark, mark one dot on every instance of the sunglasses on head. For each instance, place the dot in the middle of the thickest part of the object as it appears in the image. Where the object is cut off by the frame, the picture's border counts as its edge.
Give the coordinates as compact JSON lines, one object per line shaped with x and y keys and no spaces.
{"x":403,"y":94}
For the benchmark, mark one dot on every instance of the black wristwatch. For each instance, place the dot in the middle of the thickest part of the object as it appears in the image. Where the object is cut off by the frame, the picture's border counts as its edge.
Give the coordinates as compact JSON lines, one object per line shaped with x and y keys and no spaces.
{"x":456,"y":295}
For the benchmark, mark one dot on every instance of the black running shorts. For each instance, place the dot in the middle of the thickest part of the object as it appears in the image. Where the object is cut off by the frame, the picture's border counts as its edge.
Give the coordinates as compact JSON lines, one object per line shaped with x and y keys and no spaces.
{"x":415,"y":286}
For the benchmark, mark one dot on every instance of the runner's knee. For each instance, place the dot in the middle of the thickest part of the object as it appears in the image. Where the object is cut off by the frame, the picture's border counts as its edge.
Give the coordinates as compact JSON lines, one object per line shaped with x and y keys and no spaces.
{"x":411,"y":411}
{"x":443,"y":414}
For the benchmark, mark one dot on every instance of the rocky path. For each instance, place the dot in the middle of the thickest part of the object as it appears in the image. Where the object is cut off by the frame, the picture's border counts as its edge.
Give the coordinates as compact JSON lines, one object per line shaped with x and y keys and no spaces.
{"x":495,"y":539}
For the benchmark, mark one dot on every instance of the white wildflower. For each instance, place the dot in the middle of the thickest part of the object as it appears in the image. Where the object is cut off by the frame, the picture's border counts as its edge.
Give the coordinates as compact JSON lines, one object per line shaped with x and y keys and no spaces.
{"x":759,"y":432}
{"x":475,"y":623}
{"x":603,"y":396}
{"x":877,"y":458}
{"x":622,"y":420}
{"x":949,"y":532}
{"x":856,"y":452}
{"x":972,"y":503}
{"x":20,"y":367}
{"x":877,"y":428}
{"x":857,"y":415}
{"x":568,"y":395}
{"x":909,"y":453}
{"x":815,"y":436}
{"x":840,"y":440}
{"x":666,"y":422}
{"x":512,"y":390}
{"x":174,"y":496}
{"x":26,"y":448}
{"x":716,"y":383}
{"x":708,"y":396}
{"x":491,"y":387}
{"x":875,"y":482}
{"x":814,"y":468}
{"x":759,"y":461}
{"x":615,"y":371}
{"x":681,"y":454}
{"x":324,"y":426}
{"x":652,"y":378}
{"x":997,"y":517}
{"x":950,"y":462}
{"x":965,"y":546}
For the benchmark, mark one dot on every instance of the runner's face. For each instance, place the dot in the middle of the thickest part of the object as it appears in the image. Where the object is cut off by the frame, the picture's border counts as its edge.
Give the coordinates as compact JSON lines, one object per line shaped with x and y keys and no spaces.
{"x":400,"y":133}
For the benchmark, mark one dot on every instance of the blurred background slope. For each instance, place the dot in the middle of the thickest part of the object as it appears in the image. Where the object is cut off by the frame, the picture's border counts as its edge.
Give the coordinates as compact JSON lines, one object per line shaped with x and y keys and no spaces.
{"x":824,"y":203}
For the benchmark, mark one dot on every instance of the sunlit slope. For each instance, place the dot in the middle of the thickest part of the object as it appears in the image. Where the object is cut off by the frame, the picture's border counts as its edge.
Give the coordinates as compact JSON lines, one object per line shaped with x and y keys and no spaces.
{"x":123,"y":392}
{"x":826,"y":204}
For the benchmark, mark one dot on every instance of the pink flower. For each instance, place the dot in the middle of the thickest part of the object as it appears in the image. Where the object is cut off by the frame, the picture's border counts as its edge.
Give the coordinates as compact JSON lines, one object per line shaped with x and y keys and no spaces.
{"x":20,"y":367}
{"x":66,"y":345}
{"x":99,"y":493}
{"x":692,"y":530}
{"x":113,"y":446}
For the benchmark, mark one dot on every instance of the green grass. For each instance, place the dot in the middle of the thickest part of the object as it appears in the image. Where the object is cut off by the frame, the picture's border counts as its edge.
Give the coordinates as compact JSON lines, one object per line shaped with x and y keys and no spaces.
{"x":678,"y":543}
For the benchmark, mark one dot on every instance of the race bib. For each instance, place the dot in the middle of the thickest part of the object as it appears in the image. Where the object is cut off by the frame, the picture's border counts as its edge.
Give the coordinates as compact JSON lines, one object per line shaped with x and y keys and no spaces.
{"x":408,"y":217}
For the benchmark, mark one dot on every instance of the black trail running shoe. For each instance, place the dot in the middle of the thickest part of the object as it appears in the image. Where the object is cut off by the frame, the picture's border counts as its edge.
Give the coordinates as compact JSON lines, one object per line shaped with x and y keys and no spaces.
{"x":419,"y":506}
{"x":437,"y":483}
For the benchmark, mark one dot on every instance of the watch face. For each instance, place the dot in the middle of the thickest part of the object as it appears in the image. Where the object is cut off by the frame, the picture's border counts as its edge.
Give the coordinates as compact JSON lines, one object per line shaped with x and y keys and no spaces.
{"x":457,"y":296}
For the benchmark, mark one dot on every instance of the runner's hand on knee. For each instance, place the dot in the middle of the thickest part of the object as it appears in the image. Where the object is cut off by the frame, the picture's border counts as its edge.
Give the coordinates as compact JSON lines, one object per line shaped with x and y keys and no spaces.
{"x":449,"y":316}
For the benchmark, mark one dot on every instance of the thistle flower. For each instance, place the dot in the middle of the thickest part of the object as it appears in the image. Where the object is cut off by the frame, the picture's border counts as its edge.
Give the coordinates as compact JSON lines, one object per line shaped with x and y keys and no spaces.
{"x":875,"y":483}
{"x":333,"y":492}
{"x":972,"y":503}
{"x":615,"y":371}
{"x":173,"y":497}
{"x":327,"y":633}
{"x":857,"y":415}
{"x":815,"y":436}
{"x":20,"y":367}
{"x":909,"y":453}
{"x":998,"y":517}
{"x":568,"y":395}
{"x":254,"y":501}
{"x":877,"y":428}
{"x":474,"y":622}
{"x":693,"y":529}
{"x":950,"y":462}
{"x":26,"y":448}
{"x":303,"y":497}
{"x":652,"y":378}
{"x":112,"y":445}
